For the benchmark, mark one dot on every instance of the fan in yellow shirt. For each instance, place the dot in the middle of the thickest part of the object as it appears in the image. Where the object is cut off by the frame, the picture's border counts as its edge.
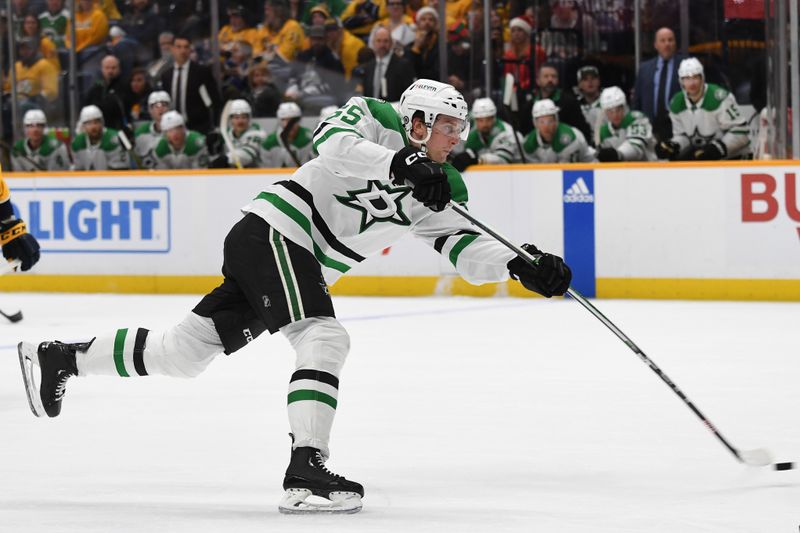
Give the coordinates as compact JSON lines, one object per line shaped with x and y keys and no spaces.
{"x":91,"y":25}
{"x":238,"y":29}
{"x":279,"y":33}
{"x":344,"y":44}
{"x":37,"y":78}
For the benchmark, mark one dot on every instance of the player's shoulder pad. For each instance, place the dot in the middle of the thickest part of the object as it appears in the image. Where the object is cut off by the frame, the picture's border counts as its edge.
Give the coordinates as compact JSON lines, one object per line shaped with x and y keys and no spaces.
{"x":142,"y":128}
{"x":605,"y":131}
{"x":271,"y":141}
{"x":714,"y":97}
{"x":531,"y":143}
{"x":304,"y":138}
{"x":678,"y":103}
{"x":19,"y":147}
{"x":565,"y":135}
{"x":79,"y":142}
{"x":161,"y":148}
{"x":385,"y":114}
{"x":109,"y":141}
{"x":195,"y":142}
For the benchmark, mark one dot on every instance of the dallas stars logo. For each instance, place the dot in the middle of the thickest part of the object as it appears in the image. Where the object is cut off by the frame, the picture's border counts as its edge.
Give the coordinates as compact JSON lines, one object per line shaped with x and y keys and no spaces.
{"x":378,"y":203}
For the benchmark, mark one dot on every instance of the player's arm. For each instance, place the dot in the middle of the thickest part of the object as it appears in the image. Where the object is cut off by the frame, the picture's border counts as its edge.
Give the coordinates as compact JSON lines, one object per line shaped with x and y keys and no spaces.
{"x":16,"y":242}
{"x":638,"y":137}
{"x":733,"y":124}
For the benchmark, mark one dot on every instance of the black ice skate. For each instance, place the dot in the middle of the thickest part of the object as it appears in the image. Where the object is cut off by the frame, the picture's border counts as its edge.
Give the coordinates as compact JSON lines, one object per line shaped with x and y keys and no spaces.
{"x":56,"y":363}
{"x":307,"y":476}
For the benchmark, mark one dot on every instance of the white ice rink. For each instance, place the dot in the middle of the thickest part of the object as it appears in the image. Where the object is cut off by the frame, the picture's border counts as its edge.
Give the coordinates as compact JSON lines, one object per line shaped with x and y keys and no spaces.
{"x":482,"y":415}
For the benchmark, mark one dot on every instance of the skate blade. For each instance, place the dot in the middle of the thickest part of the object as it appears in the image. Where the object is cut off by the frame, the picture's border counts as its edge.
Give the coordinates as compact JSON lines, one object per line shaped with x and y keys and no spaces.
{"x":28,"y":358}
{"x":294,"y":502}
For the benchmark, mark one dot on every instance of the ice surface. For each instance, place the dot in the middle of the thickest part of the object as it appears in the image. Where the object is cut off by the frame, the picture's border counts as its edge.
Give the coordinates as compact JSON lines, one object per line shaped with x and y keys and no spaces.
{"x":456,"y":415}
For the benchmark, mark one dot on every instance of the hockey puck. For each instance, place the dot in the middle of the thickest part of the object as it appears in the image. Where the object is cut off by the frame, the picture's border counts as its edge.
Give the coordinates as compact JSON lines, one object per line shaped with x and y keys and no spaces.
{"x":784,"y":466}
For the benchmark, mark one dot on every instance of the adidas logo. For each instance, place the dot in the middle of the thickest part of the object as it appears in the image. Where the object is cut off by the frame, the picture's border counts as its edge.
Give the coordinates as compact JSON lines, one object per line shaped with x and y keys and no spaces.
{"x":578,"y":193}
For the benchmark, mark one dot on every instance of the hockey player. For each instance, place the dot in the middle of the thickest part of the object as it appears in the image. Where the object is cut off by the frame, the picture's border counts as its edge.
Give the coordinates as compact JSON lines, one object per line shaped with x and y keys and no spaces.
{"x":706,"y":122}
{"x":148,"y":133}
{"x":179,"y":147}
{"x":97,"y":147}
{"x":378,"y":177}
{"x":38,"y":151}
{"x":291,"y":144}
{"x":245,"y":136}
{"x":587,"y":93}
{"x":491,"y":142}
{"x":15,"y":240}
{"x":627,"y":135}
{"x":552,"y":141}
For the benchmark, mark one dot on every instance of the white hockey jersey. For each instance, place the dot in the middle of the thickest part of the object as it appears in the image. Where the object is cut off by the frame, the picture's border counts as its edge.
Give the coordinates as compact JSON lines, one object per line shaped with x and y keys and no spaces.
{"x":51,"y":155}
{"x":342,"y":206}
{"x":715,"y":117}
{"x":633,"y":139}
{"x":145,"y":140}
{"x":568,"y":146}
{"x":107,"y":154}
{"x":247,"y":148}
{"x":497,"y":148}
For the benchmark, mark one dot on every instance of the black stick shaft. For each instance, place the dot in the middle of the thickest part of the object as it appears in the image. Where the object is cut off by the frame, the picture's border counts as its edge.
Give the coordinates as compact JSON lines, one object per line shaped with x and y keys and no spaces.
{"x":575,"y":295}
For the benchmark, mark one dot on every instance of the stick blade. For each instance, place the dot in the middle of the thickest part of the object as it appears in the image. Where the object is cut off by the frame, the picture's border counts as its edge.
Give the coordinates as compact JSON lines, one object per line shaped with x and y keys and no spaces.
{"x":757,"y":457}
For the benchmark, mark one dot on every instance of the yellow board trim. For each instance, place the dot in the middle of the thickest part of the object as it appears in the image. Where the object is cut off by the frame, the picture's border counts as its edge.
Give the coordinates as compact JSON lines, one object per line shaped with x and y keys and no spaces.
{"x":787,"y":290}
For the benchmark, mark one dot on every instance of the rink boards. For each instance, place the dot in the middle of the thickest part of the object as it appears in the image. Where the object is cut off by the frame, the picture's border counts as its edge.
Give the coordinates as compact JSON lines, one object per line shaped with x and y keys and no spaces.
{"x":683,"y":230}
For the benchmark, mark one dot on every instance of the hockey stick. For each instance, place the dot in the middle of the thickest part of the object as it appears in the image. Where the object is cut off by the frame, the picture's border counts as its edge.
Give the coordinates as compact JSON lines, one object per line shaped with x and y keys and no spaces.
{"x":223,"y":130}
{"x":6,"y":268}
{"x":756,"y":457}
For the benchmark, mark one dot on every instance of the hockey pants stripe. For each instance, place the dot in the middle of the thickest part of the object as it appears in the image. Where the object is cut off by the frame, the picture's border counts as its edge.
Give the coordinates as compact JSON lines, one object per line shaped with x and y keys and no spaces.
{"x":290,"y":287}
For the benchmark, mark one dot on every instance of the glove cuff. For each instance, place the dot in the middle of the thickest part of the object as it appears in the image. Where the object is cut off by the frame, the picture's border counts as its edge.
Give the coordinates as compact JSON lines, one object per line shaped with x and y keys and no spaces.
{"x":9,"y":233}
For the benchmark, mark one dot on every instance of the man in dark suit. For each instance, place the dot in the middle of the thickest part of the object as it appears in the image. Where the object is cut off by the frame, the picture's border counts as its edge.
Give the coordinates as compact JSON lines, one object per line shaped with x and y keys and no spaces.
{"x":192,"y":87}
{"x":388,"y":75}
{"x":657,"y":82}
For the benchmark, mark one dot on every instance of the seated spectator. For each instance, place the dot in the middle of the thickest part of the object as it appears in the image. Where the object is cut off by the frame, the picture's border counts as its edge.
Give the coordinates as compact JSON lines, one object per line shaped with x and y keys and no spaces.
{"x":143,"y":24}
{"x":302,"y":11}
{"x":109,"y":9}
{"x":136,"y":96}
{"x":179,"y":147}
{"x":458,"y":56}
{"x":110,"y":94}
{"x":291,"y":144}
{"x":361,"y":15}
{"x":424,"y":51}
{"x":97,"y":147}
{"x":235,"y":69}
{"x":344,"y":44}
{"x":490,"y":142}
{"x":278,"y":34}
{"x":47,"y":49}
{"x":238,"y":29}
{"x":706,"y":122}
{"x":158,"y":66}
{"x":124,"y":48}
{"x":387,"y":75}
{"x":148,"y":133}
{"x":317,"y":76}
{"x":587,"y":93}
{"x":37,"y":79}
{"x":91,"y":25}
{"x":38,"y":151}
{"x":552,"y":141}
{"x":627,"y":135}
{"x":548,"y":87}
{"x":520,"y":63}
{"x":54,"y":22}
{"x":400,"y":24}
{"x":263,"y":95}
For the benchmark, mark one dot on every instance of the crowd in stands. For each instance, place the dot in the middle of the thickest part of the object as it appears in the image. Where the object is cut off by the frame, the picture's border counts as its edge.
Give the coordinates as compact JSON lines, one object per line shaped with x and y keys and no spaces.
{"x":151,"y":95}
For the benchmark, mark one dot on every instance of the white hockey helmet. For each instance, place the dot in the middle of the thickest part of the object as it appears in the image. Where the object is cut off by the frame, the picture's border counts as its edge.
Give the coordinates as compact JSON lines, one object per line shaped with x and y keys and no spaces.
{"x":240,"y":107}
{"x":289,"y":110}
{"x":171,"y":119}
{"x":543,"y":108}
{"x":690,"y":66}
{"x":34,"y":116}
{"x":612,"y":97}
{"x":90,"y":112}
{"x":158,"y":97}
{"x":483,"y":108}
{"x":433,"y":98}
{"x":327,"y":111}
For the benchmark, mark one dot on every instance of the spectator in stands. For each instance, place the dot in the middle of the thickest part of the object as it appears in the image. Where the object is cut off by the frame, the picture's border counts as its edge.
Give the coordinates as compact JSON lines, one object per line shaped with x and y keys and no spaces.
{"x":156,"y":68}
{"x":37,"y":79}
{"x":552,"y":141}
{"x":54,"y":22}
{"x":19,"y":8}
{"x":110,"y":94}
{"x":361,"y":15}
{"x":519,"y":62}
{"x":291,"y":144}
{"x":458,"y":56}
{"x":192,"y":87}
{"x":400,"y":24}
{"x":626,"y":135}
{"x":143,"y":24}
{"x":319,"y":14}
{"x":136,"y":96}
{"x":570,"y":111}
{"x":706,"y":122}
{"x":148,"y":133}
{"x":317,"y":75}
{"x":424,"y":51}
{"x":123,"y":48}
{"x":490,"y":142}
{"x":587,"y":93}
{"x":47,"y":48}
{"x":235,"y":69}
{"x":38,"y":151}
{"x":263,"y":95}
{"x":388,"y":74}
{"x":97,"y":147}
{"x":238,"y":29}
{"x":657,"y":82}
{"x":179,"y":147}
{"x":344,"y":44}
{"x":279,"y":34}
{"x":91,"y":25}
{"x":109,"y":9}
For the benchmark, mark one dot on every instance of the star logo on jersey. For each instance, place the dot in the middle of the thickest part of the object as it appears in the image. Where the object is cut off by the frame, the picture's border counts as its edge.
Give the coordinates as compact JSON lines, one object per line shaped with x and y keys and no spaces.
{"x":378,"y":202}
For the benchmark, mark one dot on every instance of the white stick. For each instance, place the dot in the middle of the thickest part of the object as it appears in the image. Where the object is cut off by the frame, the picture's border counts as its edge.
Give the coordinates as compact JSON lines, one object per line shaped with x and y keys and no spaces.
{"x":9,"y":266}
{"x":223,"y":130}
